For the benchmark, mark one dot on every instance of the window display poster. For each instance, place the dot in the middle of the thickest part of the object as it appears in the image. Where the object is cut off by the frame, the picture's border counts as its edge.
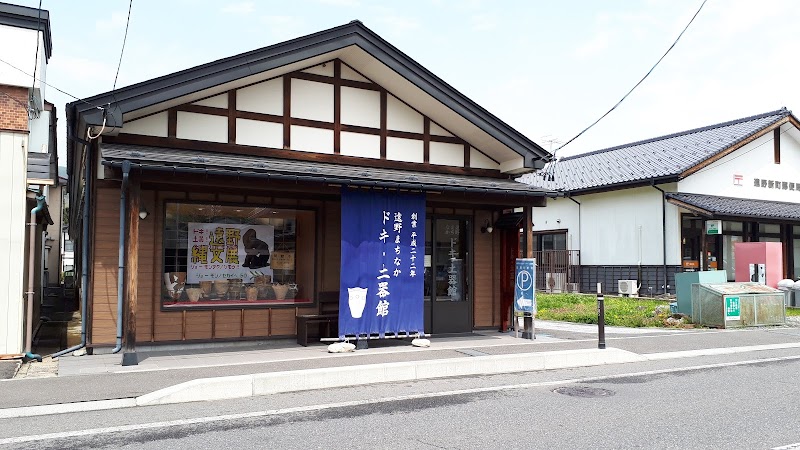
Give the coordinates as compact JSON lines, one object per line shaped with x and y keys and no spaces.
{"x":229,"y":251}
{"x":382,"y":258}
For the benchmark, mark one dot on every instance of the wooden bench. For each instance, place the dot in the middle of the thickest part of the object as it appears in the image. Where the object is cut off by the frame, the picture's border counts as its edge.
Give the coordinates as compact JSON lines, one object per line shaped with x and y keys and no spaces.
{"x":328,"y":316}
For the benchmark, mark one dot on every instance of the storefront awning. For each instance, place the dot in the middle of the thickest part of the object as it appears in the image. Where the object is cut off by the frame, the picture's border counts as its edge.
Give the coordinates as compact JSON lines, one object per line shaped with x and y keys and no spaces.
{"x":716,"y":206}
{"x":187,"y":161}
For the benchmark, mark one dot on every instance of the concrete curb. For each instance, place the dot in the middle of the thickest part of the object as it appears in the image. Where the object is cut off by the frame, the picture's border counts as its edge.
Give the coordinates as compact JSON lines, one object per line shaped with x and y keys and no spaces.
{"x":206,"y":389}
{"x":61,"y":408}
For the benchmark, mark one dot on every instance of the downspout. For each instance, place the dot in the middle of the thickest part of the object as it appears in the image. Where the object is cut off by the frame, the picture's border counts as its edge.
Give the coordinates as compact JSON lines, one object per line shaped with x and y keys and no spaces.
{"x":123,"y":206}
{"x":579,"y":219}
{"x":31,"y":277}
{"x":87,"y":187}
{"x":580,"y":243}
{"x":664,"y":233}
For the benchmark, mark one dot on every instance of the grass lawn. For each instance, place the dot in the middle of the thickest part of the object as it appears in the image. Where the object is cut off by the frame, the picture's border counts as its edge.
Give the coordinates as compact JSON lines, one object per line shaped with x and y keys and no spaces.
{"x":793,"y":311}
{"x":620,"y":311}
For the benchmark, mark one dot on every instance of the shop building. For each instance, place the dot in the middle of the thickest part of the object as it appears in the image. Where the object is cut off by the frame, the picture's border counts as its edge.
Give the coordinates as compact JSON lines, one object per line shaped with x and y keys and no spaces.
{"x":172,"y":174}
{"x":640,"y":211}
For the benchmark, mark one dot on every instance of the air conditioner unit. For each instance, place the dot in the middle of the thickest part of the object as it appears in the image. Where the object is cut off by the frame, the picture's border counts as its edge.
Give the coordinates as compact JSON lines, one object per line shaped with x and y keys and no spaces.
{"x":573,"y":287}
{"x":627,"y":287}
{"x":555,"y":282}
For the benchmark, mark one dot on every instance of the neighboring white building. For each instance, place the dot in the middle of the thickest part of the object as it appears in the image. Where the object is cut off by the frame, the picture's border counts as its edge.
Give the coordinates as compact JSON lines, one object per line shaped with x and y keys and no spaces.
{"x":27,"y":161}
{"x":637,"y":211}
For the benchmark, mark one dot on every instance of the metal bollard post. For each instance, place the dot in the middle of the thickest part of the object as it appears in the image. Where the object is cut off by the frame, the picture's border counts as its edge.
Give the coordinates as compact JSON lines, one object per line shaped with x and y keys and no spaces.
{"x":601,"y":318}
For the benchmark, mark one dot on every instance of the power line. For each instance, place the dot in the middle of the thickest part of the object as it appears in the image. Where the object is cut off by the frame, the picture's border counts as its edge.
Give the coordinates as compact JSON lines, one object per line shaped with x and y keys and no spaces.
{"x":17,"y":101}
{"x":36,"y":55}
{"x":124,"y":39}
{"x":49,"y":85}
{"x":640,"y":81}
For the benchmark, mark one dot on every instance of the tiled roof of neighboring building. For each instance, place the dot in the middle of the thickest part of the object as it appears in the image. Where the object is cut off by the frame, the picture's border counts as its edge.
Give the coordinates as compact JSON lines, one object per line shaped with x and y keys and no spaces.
{"x":713,"y":205}
{"x":658,"y":158}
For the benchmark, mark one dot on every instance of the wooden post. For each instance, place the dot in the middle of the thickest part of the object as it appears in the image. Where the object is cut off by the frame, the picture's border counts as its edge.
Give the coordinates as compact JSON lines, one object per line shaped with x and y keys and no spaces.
{"x":527,"y":212}
{"x":129,"y":357}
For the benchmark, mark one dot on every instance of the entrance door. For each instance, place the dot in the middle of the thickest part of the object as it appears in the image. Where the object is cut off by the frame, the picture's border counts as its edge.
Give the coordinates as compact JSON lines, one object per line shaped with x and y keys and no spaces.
{"x":448,"y":301}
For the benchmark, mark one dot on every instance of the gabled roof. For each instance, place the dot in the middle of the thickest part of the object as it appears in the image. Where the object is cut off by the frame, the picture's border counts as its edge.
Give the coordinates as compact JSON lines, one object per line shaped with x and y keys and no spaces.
{"x":660,"y":159}
{"x":30,"y":18}
{"x":716,"y":206}
{"x":353,"y":37}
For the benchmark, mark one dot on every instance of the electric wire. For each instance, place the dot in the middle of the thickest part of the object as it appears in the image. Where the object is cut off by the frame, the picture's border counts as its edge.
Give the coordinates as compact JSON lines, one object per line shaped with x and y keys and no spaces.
{"x":552,"y":164}
{"x":122,"y":51}
{"x":17,"y":101}
{"x":50,"y":85}
{"x":32,"y":110}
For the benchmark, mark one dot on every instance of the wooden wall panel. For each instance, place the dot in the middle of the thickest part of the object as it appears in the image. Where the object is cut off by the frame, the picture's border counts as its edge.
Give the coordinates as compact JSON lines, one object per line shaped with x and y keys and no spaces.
{"x":105,"y":266}
{"x":305,"y":259}
{"x":198,"y":324}
{"x":256,"y":323}
{"x":230,"y":198}
{"x":283,"y":322}
{"x":228,"y":324}
{"x":200,"y":196}
{"x":147,"y":283}
{"x":497,"y":254}
{"x":331,"y":223}
{"x":483,"y":263}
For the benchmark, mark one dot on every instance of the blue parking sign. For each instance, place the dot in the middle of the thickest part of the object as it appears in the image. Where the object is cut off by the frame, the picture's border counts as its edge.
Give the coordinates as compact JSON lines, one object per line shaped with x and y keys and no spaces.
{"x":525,"y":286}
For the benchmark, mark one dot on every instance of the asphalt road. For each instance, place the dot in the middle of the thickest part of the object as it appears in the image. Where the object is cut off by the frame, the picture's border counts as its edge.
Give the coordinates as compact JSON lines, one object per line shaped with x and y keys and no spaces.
{"x":735,"y":401}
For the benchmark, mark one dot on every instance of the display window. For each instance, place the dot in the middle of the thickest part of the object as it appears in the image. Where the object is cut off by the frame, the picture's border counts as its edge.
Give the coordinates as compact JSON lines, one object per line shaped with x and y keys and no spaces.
{"x":236,"y":256}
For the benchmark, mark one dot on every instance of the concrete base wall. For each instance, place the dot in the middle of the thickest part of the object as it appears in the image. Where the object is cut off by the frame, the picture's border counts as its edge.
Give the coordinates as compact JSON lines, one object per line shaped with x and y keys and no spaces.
{"x":651,"y":278}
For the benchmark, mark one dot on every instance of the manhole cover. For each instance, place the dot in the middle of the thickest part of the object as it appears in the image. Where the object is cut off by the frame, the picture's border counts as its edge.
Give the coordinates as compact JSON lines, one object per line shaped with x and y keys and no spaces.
{"x":584,"y":391}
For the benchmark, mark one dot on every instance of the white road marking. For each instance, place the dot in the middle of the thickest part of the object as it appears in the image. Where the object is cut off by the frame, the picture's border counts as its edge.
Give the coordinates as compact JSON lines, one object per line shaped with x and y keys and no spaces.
{"x":327,"y":406}
{"x":788,"y":447}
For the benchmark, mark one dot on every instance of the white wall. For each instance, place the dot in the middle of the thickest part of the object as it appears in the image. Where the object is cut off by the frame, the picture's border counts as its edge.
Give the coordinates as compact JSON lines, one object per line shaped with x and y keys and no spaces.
{"x":217,"y":101}
{"x":307,"y":139}
{"x":402,"y":117}
{"x":155,"y":125}
{"x":480,"y":161}
{"x":616,"y":228}
{"x":408,"y":150}
{"x":361,"y":107}
{"x":21,"y":54}
{"x":265,"y":98}
{"x":361,"y":145}
{"x":312,"y":100}
{"x":447,"y":154}
{"x":754,"y":160}
{"x":259,"y":133}
{"x":13,"y":159}
{"x":201,"y":127}
{"x":39,"y":138}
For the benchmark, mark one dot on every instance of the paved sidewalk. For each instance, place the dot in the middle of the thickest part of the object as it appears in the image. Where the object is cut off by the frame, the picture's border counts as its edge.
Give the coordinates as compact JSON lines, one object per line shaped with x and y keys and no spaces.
{"x":101,"y":377}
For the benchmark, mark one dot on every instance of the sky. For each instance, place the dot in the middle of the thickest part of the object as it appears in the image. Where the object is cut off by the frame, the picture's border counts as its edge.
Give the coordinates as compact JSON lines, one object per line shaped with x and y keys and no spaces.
{"x":547,"y":68}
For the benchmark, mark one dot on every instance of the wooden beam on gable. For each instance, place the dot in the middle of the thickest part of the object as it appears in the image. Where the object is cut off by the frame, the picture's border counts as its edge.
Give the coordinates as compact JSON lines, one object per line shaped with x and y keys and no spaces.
{"x":466,"y":154}
{"x":172,"y":122}
{"x":776,"y":144}
{"x":232,"y":116}
{"x":287,"y":112}
{"x":733,"y":148}
{"x":384,"y":121}
{"x":426,"y":140}
{"x":337,"y":107}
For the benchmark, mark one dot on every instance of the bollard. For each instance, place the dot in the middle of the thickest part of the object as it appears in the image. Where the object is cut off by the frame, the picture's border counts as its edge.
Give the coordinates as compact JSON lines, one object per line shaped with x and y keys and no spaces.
{"x":601,"y":318}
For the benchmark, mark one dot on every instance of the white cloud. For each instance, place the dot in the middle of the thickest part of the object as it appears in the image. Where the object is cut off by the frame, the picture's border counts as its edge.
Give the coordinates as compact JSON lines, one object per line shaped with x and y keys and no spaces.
{"x":115,"y":22}
{"x":239,"y":8}
{"x":399,"y":24}
{"x":483,"y":22}
{"x":284,"y":27}
{"x":349,"y":3}
{"x":597,"y":44}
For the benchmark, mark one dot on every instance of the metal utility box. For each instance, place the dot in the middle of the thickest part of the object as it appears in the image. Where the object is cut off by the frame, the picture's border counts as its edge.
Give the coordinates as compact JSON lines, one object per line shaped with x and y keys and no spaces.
{"x":685,"y":280}
{"x":732,"y":305}
{"x":759,"y":261}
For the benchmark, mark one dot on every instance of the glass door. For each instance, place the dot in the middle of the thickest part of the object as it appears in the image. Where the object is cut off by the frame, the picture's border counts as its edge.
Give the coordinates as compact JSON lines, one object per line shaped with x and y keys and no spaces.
{"x":448,"y":304}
